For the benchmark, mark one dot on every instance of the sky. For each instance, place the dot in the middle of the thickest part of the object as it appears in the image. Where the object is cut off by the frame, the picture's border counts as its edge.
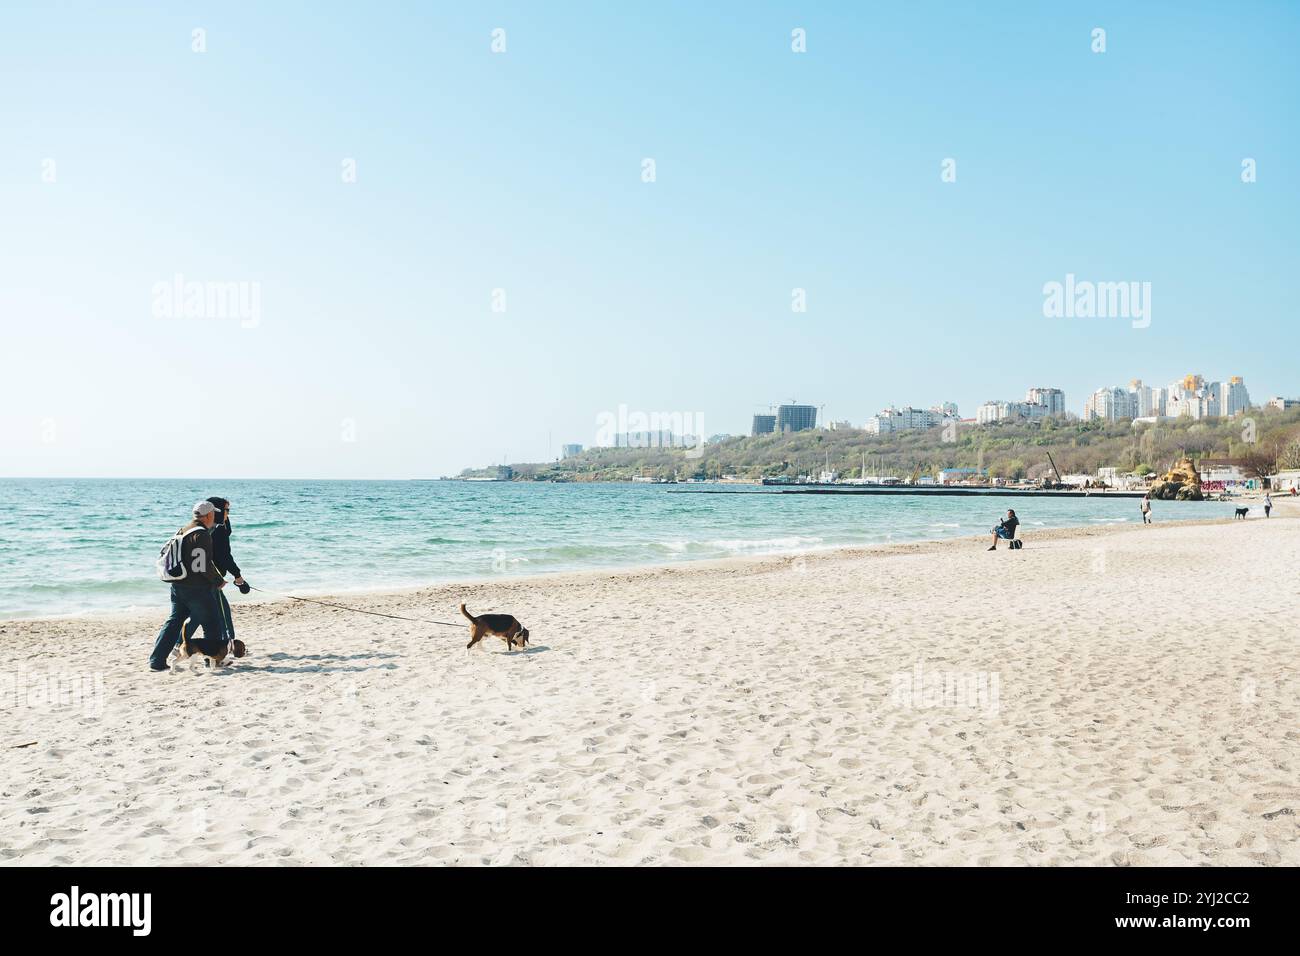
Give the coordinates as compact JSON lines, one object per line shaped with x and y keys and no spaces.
{"x":498,"y":272}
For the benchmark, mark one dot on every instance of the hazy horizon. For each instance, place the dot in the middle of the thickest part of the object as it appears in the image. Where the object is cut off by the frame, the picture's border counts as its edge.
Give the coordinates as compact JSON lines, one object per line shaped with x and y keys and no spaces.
{"x":434,"y":245}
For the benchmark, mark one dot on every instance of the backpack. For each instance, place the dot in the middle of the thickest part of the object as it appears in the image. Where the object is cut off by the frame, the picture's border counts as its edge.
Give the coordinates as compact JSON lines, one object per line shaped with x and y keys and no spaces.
{"x":171,"y":559}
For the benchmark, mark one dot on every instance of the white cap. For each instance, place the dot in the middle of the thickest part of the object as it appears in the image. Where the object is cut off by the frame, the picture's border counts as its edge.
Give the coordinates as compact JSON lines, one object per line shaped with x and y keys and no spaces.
{"x":202,"y":508}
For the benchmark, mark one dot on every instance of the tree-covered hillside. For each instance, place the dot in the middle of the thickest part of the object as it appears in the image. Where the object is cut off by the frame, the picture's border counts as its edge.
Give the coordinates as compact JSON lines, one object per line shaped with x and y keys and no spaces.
{"x":1266,"y":437}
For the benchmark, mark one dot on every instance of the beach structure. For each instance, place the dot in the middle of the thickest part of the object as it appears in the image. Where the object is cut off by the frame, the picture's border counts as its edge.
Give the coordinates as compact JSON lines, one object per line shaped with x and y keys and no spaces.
{"x":951,"y":476}
{"x":1226,"y":475}
{"x":1120,"y":480}
{"x":1285,"y":481}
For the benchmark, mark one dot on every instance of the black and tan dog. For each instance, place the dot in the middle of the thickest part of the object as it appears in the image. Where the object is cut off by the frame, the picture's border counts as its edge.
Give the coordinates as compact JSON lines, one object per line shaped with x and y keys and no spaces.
{"x":504,"y":626}
{"x":213,"y":650}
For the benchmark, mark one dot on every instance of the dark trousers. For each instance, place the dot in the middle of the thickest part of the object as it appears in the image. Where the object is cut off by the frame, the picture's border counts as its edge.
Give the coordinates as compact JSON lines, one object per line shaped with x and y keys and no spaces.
{"x":199,"y":604}
{"x":227,"y":622}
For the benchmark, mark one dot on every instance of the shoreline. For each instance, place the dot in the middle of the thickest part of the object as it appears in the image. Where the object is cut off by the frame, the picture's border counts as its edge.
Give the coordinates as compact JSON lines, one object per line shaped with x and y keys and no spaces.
{"x":775,"y":560}
{"x":650,"y":537}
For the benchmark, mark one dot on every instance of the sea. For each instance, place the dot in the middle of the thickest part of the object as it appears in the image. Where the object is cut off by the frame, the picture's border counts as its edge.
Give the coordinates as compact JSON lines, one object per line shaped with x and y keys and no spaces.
{"x":80,"y":546}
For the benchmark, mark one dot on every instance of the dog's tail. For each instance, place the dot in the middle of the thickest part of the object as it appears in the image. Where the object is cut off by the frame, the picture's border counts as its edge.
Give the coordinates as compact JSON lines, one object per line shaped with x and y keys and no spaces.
{"x":467,"y":614}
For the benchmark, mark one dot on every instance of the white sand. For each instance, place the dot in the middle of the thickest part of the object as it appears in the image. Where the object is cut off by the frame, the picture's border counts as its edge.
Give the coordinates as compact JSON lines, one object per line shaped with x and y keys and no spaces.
{"x":1138,"y":706}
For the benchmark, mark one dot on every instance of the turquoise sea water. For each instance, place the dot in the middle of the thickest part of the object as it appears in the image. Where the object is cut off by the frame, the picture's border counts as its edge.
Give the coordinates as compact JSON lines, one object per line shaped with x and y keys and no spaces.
{"x":77,"y":546}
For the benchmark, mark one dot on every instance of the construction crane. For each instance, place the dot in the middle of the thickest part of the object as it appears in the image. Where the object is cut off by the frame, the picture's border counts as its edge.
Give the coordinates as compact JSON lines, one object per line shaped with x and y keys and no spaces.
{"x":1060,"y":483}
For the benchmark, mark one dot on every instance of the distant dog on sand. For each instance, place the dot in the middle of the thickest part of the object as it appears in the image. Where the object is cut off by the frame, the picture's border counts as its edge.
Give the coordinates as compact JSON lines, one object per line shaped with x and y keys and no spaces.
{"x":504,"y":626}
{"x":1240,"y":513}
{"x":212,"y":650}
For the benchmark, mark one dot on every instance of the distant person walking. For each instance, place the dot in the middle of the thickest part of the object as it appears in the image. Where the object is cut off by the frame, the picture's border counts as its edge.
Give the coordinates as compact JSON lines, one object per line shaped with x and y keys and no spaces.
{"x":1146,"y":509}
{"x":225,"y":562}
{"x":187,"y":563}
{"x":1006,"y":529}
{"x":1268,"y":504}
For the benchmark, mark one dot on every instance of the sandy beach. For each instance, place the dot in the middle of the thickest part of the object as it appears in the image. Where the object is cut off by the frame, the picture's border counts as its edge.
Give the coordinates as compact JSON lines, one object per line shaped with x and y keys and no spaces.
{"x":1110,"y":696}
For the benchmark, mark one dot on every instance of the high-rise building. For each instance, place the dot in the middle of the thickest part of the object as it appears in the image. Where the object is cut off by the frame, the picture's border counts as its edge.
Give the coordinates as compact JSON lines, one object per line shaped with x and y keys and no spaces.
{"x":1110,"y":404}
{"x":1192,"y":396}
{"x":655,"y":438}
{"x":997,"y":411}
{"x":1039,"y":403}
{"x":1197,"y":398}
{"x":1141,"y":399}
{"x":910,"y":419}
{"x":764,"y":425}
{"x":795,"y":418}
{"x":1052,"y":399}
{"x":1235,"y":397}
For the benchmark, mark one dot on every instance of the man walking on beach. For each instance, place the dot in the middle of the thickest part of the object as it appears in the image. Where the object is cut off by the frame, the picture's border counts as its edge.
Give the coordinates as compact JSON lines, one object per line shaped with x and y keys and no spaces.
{"x":1146,"y":509}
{"x":1268,"y":503}
{"x":225,"y":562}
{"x":195,"y":595}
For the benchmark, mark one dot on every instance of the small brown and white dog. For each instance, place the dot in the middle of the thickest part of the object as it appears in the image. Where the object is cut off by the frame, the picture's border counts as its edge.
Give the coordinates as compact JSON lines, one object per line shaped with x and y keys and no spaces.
{"x":213,"y":651}
{"x":504,"y":626}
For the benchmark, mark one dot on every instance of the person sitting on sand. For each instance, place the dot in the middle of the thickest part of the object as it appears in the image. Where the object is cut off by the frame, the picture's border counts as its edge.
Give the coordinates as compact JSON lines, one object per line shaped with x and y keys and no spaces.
{"x":1006,"y":529}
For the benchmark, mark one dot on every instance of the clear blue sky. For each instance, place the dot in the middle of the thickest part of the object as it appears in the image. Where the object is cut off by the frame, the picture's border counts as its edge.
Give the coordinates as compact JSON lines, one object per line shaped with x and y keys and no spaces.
{"x":522,"y":171}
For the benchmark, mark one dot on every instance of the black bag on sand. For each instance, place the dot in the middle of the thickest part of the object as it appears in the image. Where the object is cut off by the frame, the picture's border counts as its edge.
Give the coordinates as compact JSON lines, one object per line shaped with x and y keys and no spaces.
{"x":1016,"y":544}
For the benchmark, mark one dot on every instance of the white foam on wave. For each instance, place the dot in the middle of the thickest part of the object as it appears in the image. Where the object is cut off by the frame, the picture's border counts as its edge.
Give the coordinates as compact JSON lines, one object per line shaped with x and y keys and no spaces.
{"x":747,"y":546}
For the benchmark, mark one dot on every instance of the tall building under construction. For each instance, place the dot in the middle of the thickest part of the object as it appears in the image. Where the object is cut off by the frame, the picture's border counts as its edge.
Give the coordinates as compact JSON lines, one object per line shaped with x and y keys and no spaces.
{"x":764,"y":425}
{"x":795,"y":418}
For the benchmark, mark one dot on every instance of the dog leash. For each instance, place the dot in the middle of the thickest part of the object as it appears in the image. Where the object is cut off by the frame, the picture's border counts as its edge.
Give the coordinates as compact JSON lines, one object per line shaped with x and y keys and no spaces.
{"x":355,"y":610}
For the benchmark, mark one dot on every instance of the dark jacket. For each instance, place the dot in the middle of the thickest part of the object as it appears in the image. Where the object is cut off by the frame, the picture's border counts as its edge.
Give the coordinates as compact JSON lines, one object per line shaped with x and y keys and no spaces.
{"x":1010,"y":525}
{"x":198,"y":538}
{"x":221,"y":549}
